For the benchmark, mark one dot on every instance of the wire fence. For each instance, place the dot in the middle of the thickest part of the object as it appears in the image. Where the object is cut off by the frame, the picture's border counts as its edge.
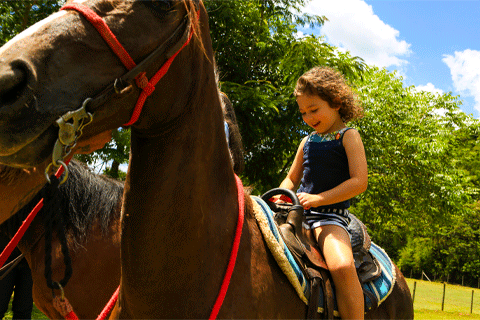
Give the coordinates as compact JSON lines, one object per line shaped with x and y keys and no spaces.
{"x":441,"y":296}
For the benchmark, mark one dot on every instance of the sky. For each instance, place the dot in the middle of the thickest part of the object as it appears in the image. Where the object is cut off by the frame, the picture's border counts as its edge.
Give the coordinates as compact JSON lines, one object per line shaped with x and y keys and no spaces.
{"x":434,"y":45}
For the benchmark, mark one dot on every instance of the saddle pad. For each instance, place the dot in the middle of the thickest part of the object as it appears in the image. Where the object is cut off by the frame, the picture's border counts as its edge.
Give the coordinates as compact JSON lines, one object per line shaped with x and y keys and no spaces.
{"x":280,"y":252}
{"x":380,"y":287}
{"x":383,"y":285}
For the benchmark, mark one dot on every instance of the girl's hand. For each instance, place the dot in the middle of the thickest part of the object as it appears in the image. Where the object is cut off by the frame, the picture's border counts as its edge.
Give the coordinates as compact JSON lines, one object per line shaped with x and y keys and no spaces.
{"x":309,"y":200}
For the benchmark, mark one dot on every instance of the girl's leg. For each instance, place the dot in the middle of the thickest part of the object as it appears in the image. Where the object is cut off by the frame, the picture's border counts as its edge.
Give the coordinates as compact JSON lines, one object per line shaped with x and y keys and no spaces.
{"x":335,"y":244}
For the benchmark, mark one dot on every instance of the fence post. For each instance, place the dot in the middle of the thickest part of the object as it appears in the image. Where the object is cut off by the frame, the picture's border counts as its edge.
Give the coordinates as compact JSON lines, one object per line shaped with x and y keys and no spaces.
{"x":443,"y":297}
{"x":424,"y":274}
{"x":471,"y":304}
{"x":414,"y":289}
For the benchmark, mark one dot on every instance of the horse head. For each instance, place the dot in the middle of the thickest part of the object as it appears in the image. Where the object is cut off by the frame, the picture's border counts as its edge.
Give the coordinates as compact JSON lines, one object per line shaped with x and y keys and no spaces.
{"x":60,"y":73}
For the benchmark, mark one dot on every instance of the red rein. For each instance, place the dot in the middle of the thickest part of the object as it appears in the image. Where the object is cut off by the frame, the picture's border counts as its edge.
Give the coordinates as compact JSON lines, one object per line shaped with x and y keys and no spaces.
{"x":233,"y":254}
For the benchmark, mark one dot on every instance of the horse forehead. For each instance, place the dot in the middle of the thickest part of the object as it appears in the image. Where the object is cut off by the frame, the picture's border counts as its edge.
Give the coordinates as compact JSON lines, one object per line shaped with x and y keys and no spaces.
{"x":36,"y":27}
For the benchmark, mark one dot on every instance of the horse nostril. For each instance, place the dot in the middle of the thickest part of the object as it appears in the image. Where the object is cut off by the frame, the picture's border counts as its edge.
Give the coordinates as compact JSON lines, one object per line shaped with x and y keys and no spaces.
{"x":14,"y":81}
{"x":10,"y":83}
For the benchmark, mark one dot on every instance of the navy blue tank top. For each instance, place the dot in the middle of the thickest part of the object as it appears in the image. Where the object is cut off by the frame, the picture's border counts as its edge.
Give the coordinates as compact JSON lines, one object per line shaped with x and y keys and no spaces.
{"x":325,"y":166}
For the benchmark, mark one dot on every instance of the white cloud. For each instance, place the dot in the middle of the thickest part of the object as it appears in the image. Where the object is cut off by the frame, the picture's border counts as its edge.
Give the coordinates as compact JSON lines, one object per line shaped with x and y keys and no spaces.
{"x":429,"y":87}
{"x":299,"y":35}
{"x":354,"y":26}
{"x":465,"y":70}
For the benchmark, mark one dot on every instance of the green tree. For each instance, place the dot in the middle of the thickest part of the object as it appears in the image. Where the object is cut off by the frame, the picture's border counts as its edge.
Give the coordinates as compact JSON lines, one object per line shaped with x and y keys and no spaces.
{"x":260,"y":57}
{"x":451,"y":252}
{"x":112,"y":156}
{"x":416,"y":183}
{"x":466,"y":149}
{"x":16,"y":16}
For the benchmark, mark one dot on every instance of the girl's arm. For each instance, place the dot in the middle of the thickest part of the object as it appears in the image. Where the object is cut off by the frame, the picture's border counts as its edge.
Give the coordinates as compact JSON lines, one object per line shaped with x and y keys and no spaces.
{"x":357,"y":165}
{"x":295,"y":174}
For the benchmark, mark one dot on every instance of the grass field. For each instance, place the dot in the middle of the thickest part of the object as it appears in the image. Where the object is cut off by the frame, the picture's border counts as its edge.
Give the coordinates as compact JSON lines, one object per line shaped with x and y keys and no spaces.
{"x":428,"y":301}
{"x":427,"y":304}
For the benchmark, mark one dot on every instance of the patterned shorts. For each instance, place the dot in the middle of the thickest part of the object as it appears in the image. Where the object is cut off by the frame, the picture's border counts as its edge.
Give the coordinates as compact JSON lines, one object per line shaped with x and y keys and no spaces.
{"x":324,"y":217}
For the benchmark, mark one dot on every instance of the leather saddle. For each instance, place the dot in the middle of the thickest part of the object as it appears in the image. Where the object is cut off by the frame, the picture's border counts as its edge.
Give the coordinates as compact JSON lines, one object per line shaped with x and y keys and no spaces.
{"x":304,"y":248}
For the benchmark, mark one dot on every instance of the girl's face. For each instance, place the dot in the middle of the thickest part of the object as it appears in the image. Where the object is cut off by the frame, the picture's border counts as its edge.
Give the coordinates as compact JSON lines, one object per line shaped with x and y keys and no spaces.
{"x":318,"y":114}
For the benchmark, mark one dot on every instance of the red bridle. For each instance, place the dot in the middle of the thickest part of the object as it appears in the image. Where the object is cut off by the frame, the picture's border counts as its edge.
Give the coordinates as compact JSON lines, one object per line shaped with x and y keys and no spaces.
{"x":147,"y":86}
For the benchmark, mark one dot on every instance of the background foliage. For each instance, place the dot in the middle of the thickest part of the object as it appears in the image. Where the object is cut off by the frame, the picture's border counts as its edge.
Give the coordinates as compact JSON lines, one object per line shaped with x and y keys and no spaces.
{"x":422,"y":203}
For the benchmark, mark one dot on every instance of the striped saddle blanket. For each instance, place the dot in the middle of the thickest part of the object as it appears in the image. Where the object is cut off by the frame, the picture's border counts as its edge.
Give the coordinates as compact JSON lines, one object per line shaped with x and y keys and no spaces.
{"x":380,"y":288}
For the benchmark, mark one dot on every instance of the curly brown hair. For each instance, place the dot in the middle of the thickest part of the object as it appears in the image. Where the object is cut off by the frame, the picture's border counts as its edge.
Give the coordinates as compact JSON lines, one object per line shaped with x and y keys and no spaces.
{"x":330,"y":85}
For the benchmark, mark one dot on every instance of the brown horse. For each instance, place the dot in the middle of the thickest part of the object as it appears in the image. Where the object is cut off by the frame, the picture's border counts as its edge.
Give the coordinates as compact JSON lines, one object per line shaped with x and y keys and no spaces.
{"x":90,"y":205}
{"x":180,"y":202}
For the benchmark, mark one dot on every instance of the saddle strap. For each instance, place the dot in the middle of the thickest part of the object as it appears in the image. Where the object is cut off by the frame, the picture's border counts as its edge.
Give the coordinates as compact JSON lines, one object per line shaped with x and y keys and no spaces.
{"x":312,"y":312}
{"x":315,"y":282}
{"x":320,"y":282}
{"x":329,"y":296}
{"x":372,"y":298}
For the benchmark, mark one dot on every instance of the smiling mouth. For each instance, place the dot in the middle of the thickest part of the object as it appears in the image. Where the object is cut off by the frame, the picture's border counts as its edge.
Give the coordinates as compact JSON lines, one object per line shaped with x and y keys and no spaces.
{"x":316,"y":124}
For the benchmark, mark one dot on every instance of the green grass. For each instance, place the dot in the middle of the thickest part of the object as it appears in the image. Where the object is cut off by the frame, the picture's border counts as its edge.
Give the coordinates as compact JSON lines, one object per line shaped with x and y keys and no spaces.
{"x":428,"y":301}
{"x":36,"y":314}
{"x":427,"y":304}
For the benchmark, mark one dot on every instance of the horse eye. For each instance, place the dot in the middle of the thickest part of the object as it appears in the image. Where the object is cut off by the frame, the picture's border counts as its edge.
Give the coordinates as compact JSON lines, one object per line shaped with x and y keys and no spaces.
{"x":160,"y":6}
{"x":163,"y":4}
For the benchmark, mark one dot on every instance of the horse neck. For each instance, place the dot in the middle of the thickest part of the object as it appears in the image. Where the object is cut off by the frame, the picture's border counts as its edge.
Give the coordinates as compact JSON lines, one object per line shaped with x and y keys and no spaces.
{"x":187,"y":171}
{"x":180,"y":209}
{"x":17,"y":192}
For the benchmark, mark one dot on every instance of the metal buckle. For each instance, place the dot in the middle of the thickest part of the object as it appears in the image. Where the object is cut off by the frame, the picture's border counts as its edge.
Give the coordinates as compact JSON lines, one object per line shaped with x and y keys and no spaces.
{"x":57,"y":165}
{"x":70,"y":126}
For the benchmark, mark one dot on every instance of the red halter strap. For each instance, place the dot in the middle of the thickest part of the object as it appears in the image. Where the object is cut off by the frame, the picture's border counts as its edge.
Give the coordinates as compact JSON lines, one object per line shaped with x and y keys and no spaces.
{"x":141,"y":80}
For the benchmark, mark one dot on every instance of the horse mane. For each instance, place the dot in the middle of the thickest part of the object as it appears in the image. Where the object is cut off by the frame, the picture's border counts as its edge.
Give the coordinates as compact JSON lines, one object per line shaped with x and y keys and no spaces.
{"x":87,"y":200}
{"x":235,"y":144}
{"x":194,"y":19}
